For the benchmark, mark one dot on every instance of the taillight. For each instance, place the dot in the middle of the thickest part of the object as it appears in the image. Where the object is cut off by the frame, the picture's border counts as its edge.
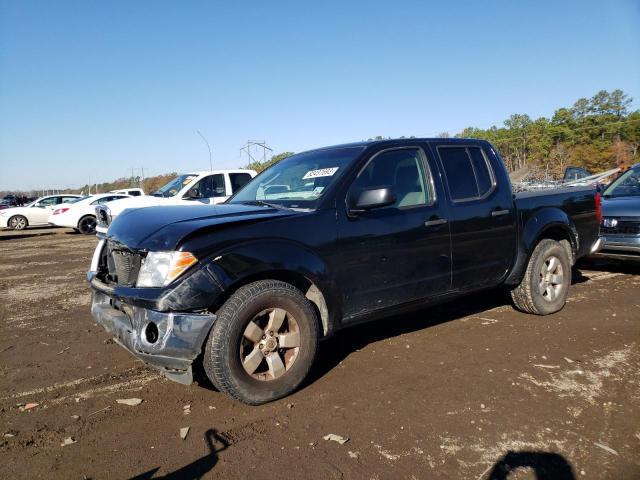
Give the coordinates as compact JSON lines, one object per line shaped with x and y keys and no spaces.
{"x":58,"y":211}
{"x":598,"y":201}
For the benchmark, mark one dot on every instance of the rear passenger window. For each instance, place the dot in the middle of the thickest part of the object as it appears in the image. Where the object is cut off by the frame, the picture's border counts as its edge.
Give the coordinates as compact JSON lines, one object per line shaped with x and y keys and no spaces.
{"x":104,"y":200}
{"x":238,"y":180}
{"x":459,"y":172}
{"x":483,"y":175}
{"x":467,"y":172}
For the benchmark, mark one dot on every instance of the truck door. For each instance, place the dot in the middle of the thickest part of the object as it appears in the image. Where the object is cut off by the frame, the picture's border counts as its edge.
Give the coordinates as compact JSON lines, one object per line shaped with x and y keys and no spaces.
{"x":398,"y":253}
{"x":482,"y":215}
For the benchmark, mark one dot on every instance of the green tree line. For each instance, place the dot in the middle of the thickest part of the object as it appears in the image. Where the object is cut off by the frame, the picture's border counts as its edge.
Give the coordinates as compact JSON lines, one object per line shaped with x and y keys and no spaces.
{"x":596,"y":133}
{"x":260,"y":166}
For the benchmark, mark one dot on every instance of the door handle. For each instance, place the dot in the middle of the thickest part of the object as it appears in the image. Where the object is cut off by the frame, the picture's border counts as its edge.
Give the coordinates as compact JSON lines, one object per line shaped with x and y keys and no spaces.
{"x":499,"y":213}
{"x":433,"y":223}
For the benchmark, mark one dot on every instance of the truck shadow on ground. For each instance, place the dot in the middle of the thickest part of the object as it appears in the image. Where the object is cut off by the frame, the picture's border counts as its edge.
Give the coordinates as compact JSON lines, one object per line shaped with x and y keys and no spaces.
{"x":544,"y":465}
{"x":335,"y":349}
{"x":612,"y":264}
{"x":198,"y":468}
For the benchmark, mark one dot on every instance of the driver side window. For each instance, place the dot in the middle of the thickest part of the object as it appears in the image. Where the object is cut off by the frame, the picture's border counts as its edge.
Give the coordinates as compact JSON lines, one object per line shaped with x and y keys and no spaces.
{"x":402,"y":171}
{"x":209,"y":187}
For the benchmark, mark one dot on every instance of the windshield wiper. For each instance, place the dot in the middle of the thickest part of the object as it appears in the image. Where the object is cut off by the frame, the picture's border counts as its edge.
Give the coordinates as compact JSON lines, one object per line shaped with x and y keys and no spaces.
{"x":264,"y":204}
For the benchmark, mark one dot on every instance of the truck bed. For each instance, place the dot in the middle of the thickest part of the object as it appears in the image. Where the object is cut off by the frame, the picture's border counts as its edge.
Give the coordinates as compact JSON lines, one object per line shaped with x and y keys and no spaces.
{"x":575,"y":202}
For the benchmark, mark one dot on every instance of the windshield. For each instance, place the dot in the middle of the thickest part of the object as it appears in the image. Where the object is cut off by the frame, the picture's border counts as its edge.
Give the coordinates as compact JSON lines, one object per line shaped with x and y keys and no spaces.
{"x":626,"y":185}
{"x":174,"y":186}
{"x":300,"y":180}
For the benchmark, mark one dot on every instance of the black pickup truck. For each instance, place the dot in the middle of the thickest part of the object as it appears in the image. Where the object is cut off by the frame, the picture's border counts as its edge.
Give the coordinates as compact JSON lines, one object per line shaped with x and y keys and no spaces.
{"x":323,"y":240}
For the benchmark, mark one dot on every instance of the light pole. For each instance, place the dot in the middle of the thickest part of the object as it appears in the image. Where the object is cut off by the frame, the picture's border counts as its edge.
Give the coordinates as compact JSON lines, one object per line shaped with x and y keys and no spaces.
{"x":208,"y":147}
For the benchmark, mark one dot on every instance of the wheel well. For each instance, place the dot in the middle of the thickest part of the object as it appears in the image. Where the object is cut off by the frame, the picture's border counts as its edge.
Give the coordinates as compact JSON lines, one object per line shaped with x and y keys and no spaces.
{"x":562,"y":235}
{"x":302,"y":283}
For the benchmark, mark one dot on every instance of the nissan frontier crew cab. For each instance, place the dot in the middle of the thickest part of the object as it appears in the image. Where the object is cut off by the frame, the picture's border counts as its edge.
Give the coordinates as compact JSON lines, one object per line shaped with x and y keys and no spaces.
{"x":323,"y":240}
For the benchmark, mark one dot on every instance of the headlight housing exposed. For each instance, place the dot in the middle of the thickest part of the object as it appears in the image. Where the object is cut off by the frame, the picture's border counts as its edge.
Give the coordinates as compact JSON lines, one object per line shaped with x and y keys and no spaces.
{"x":161,"y":268}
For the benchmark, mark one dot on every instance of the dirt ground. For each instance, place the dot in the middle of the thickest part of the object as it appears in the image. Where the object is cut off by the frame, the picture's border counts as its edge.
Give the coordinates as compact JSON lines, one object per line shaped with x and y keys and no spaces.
{"x":467,"y":390}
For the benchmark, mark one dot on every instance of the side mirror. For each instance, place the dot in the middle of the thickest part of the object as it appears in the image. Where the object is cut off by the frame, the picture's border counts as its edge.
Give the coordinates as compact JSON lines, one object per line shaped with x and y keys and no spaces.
{"x":193,"y":194}
{"x":373,"y":198}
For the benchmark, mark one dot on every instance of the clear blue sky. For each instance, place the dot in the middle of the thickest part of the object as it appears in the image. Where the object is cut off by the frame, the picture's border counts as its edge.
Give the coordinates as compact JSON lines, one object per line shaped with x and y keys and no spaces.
{"x":89,"y":89}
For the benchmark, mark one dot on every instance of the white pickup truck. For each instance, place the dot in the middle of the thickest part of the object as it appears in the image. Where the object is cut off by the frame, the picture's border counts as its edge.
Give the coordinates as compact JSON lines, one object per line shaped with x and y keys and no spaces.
{"x":208,"y":187}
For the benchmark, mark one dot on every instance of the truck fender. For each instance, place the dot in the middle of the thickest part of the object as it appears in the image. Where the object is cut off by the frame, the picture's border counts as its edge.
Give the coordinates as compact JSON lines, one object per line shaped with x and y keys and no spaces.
{"x":547,"y":222}
{"x":281,"y":260}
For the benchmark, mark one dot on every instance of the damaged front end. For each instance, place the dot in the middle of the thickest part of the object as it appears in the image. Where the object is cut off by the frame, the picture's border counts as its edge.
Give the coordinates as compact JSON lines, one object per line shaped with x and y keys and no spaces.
{"x":164,"y":326}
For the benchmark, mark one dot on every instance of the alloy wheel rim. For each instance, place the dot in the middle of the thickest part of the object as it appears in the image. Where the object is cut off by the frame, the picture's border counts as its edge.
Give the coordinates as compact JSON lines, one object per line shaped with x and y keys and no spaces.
{"x":89,"y":224}
{"x":18,"y":223}
{"x":270,"y":344}
{"x":551,"y":279}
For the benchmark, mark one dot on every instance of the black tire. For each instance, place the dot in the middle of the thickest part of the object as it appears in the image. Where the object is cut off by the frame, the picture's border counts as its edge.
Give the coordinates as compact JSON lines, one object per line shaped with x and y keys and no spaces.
{"x":87,"y":225}
{"x":18,"y":222}
{"x":223,"y":361}
{"x":543,"y":291}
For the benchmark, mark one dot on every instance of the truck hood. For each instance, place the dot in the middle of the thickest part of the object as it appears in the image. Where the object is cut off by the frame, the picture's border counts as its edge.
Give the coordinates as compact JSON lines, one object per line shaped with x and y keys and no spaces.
{"x":163,"y":228}
{"x":621,"y":207}
{"x":116,"y":207}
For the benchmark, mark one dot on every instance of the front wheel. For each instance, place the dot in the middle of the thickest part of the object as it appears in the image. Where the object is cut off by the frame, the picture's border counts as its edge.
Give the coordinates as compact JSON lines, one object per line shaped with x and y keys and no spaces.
{"x":263,"y":342}
{"x":545,"y":285}
{"x":18,"y":222}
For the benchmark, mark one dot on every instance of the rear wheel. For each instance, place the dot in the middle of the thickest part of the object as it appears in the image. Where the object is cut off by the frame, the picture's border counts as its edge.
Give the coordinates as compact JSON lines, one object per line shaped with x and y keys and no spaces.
{"x":545,"y":285}
{"x":18,"y":222}
{"x":87,"y":225}
{"x":263,"y":342}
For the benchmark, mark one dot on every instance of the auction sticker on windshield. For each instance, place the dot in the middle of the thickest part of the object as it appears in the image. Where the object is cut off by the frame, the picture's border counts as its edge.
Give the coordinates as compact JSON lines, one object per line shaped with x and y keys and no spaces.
{"x":323,"y":172}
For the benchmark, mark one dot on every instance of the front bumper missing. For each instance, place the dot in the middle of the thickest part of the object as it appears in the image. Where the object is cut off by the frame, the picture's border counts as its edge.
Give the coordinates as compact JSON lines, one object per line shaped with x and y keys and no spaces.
{"x":168,"y":341}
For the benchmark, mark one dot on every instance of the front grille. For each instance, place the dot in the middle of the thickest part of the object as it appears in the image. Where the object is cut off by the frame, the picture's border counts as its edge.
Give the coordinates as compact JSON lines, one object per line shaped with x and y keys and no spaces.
{"x":622,"y":227}
{"x":123,"y":265}
{"x":103,"y":216}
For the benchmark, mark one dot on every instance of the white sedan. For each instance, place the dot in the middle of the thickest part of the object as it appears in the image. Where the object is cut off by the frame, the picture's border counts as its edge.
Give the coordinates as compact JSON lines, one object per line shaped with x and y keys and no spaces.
{"x":81,"y":215}
{"x":34,"y":214}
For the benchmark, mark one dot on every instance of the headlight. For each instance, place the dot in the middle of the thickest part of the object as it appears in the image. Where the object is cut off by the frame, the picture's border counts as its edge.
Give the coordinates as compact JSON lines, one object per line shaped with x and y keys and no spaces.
{"x":162,"y":268}
{"x":609,"y":222}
